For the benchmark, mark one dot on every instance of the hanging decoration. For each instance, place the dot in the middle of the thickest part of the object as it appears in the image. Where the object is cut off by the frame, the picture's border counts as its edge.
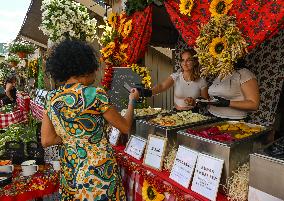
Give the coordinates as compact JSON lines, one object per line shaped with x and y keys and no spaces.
{"x":144,"y":73}
{"x":33,"y":67}
{"x":114,"y":39}
{"x":67,"y":19}
{"x":121,"y":44}
{"x":219,"y":46}
{"x":149,"y":193}
{"x":257,"y":20}
{"x":219,"y":8}
{"x":107,"y":80}
{"x":186,"y":6}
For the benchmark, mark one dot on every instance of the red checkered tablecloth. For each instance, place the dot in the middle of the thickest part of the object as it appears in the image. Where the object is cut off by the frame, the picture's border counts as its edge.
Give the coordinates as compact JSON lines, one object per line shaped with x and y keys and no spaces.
{"x":12,"y":118}
{"x":37,"y":110}
{"x":23,"y":102}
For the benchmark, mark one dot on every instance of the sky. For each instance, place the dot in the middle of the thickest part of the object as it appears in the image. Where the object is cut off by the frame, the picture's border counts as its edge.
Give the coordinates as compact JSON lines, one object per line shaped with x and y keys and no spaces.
{"x":12,"y":15}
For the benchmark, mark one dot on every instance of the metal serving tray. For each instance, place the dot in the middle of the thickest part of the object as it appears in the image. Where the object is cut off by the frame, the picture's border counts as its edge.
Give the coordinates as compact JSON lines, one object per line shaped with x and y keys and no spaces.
{"x":144,"y":128}
{"x":233,"y":153}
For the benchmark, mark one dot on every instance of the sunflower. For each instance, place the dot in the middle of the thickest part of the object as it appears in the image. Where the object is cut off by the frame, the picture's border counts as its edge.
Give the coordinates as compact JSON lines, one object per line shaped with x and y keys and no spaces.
{"x":112,"y":19}
{"x":220,"y":7}
{"x":127,"y":28}
{"x":217,"y":46}
{"x":186,"y":6}
{"x":121,"y":57}
{"x":149,"y":193}
{"x":108,"y":50}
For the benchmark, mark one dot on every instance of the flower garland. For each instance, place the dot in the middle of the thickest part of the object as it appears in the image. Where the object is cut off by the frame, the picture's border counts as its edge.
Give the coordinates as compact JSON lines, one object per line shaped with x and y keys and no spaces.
{"x":67,"y":19}
{"x":33,"y":66}
{"x":115,"y":42}
{"x":144,"y":73}
{"x":114,"y":39}
{"x":149,"y":193}
{"x":219,"y":45}
{"x":186,"y":6}
{"x":107,"y":80}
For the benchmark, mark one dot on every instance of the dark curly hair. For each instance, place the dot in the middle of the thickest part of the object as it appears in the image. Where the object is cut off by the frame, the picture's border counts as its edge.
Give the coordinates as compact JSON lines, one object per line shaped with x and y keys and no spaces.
{"x":71,"y":58}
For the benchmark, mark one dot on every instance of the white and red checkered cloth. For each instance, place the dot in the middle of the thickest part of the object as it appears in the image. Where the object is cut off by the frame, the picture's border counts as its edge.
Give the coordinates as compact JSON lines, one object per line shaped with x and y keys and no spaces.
{"x":23,"y":102}
{"x":11,"y":118}
{"x":37,"y":110}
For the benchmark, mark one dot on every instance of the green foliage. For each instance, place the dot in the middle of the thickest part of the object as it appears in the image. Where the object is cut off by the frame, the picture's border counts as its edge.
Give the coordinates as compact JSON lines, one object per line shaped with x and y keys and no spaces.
{"x":21,"y":46}
{"x":19,"y":132}
{"x":40,"y":78}
{"x":138,"y":5}
{"x":13,"y":58}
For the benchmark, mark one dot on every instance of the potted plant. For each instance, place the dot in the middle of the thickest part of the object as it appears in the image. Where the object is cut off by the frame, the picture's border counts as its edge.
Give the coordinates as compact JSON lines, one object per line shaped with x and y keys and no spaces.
{"x":13,"y":60}
{"x":21,"y":48}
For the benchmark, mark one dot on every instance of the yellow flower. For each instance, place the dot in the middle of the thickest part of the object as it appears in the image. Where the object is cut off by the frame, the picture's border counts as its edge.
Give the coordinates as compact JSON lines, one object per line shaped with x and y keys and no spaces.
{"x":112,"y":19}
{"x":149,"y":193}
{"x":220,"y":7}
{"x":123,"y":46}
{"x":217,"y":46}
{"x":186,"y":6}
{"x":121,"y":57}
{"x":127,"y":28}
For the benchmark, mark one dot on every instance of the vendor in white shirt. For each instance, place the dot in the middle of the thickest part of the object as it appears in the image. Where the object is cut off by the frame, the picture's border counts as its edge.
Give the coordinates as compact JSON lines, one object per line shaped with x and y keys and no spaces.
{"x":237,"y":94}
{"x":188,"y":85}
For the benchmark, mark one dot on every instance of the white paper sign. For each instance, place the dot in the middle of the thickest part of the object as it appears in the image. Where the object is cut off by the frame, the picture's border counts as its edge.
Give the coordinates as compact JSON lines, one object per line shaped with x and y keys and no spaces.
{"x":207,"y":176}
{"x":257,"y":195}
{"x":183,"y":166}
{"x":135,"y":147}
{"x":155,"y":151}
{"x":114,"y":136}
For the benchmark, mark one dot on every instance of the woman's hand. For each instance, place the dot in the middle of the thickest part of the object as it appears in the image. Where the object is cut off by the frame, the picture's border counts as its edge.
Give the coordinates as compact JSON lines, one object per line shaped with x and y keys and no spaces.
{"x":190,"y":101}
{"x":134,"y":94}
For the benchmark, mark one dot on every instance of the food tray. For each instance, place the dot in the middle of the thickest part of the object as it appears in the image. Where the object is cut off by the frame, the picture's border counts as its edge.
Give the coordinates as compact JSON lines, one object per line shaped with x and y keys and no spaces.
{"x":233,"y":153}
{"x":264,"y":130}
{"x":144,"y":128}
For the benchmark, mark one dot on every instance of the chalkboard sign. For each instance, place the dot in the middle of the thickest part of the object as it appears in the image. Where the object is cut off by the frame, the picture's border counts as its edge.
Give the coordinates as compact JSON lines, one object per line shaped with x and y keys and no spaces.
{"x":118,"y":94}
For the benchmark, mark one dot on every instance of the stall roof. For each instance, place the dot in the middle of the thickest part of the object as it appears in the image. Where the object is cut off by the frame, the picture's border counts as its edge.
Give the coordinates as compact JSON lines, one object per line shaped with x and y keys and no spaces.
{"x":29,"y":29}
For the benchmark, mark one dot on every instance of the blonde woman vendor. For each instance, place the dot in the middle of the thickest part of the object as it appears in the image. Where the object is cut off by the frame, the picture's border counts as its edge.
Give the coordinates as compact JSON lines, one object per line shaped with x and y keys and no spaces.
{"x":188,"y":85}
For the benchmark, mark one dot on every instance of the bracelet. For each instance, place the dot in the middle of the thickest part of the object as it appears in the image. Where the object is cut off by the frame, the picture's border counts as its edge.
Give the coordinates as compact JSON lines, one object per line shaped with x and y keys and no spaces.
{"x":133,"y":102}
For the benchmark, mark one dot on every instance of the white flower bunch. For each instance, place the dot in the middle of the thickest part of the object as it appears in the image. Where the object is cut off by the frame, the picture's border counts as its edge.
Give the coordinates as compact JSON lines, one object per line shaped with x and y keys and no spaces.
{"x":67,"y":19}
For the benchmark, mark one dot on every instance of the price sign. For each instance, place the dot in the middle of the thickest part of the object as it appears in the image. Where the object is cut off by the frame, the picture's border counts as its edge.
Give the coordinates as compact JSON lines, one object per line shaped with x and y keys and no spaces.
{"x":207,"y":176}
{"x":155,"y":151}
{"x":183,"y":166}
{"x":135,"y":147}
{"x":114,"y":136}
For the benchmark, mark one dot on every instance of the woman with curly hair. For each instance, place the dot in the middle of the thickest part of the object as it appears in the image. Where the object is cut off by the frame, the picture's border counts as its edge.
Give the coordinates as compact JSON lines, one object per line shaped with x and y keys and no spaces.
{"x":75,"y":114}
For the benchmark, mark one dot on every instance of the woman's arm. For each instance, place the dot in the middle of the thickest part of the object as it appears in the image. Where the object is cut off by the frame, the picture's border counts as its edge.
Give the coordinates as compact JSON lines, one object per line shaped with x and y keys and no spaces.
{"x":48,"y":134}
{"x":8,"y":89}
{"x":251,"y":94}
{"x":204,"y":93}
{"x":166,"y":84}
{"x":123,"y":123}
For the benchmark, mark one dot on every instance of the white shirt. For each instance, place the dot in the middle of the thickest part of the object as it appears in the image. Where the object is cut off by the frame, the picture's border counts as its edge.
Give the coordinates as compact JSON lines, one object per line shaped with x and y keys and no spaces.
{"x":184,"y":89}
{"x":230,"y":89}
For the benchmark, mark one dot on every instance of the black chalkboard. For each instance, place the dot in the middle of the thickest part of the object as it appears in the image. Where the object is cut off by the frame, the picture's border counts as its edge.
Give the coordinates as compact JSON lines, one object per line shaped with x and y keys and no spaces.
{"x":118,"y":94}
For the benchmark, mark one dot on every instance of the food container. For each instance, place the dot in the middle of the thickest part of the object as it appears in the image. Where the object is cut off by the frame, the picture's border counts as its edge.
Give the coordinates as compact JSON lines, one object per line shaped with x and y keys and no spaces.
{"x":145,"y":127}
{"x":233,"y":153}
{"x":267,"y":173}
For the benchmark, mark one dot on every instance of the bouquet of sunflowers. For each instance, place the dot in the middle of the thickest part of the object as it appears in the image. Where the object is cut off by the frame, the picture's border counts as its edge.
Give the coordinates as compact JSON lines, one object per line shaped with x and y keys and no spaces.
{"x":220,"y":43}
{"x":114,"y":39}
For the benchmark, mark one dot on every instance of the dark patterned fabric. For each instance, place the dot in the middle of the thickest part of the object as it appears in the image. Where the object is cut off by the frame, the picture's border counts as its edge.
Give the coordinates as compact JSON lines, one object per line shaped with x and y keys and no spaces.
{"x":267,"y":62}
{"x":257,"y":19}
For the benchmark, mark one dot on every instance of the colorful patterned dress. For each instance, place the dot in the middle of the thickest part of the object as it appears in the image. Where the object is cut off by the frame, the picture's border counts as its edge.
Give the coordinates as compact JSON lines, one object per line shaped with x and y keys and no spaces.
{"x":88,"y":168}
